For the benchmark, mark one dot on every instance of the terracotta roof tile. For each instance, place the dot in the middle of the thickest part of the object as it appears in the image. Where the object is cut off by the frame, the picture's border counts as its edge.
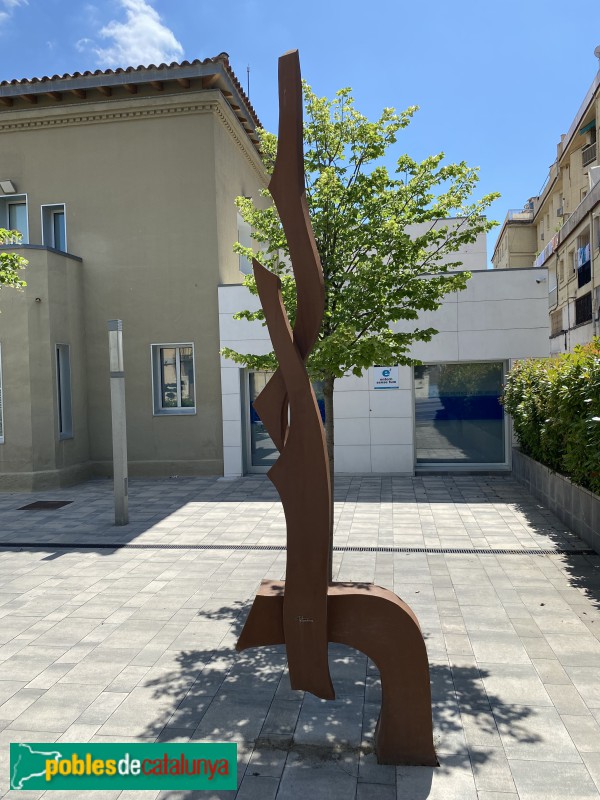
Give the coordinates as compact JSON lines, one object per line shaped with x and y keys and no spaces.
{"x":222,"y":58}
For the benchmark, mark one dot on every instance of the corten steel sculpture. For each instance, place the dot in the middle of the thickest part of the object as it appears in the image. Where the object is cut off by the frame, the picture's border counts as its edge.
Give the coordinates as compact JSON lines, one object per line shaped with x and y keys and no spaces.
{"x":306,"y":611}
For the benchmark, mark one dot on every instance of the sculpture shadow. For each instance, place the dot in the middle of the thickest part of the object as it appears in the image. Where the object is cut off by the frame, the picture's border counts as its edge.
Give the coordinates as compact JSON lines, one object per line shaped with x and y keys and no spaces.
{"x":218,"y":694}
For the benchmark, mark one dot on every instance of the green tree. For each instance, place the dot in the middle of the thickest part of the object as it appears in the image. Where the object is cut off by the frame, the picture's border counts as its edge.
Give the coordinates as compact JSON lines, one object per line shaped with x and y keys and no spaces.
{"x":11,"y":263}
{"x":378,"y":271}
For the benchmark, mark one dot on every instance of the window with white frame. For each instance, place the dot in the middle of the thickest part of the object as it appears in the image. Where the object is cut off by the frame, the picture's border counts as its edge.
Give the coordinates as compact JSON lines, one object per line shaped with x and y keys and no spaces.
{"x":244,"y":233}
{"x":1,"y":403}
{"x":63,"y":391}
{"x":174,"y":385}
{"x":13,"y":214}
{"x":54,"y":228}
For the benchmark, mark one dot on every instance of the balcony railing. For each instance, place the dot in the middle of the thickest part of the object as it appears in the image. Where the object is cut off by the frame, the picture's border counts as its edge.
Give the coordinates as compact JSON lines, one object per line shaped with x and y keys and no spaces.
{"x":547,"y":251}
{"x":588,"y":154}
{"x":582,"y":210}
{"x":520,"y":215}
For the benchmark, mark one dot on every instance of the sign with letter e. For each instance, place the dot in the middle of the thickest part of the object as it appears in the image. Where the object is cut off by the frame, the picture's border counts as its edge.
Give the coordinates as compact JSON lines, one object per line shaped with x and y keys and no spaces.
{"x":385,"y":378}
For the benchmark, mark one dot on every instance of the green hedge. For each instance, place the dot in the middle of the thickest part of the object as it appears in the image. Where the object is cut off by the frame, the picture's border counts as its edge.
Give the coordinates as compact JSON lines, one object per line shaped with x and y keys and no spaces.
{"x":555,"y":406}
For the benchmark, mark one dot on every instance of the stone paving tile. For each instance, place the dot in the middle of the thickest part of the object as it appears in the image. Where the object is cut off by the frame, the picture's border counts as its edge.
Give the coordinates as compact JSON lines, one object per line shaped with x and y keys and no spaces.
{"x":514,"y":684}
{"x":491,"y":770}
{"x":532,"y":733}
{"x":566,"y":699}
{"x":57,"y":708}
{"x":552,"y":781}
{"x":138,"y":645}
{"x":592,"y":762}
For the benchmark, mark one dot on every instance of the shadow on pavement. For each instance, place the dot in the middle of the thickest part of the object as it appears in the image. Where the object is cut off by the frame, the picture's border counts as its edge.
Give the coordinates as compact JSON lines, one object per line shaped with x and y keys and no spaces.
{"x":247,"y":698}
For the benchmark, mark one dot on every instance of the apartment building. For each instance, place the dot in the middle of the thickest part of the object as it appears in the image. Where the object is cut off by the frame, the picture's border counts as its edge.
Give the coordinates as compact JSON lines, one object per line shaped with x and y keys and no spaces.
{"x":123,"y":185}
{"x":560,"y":230}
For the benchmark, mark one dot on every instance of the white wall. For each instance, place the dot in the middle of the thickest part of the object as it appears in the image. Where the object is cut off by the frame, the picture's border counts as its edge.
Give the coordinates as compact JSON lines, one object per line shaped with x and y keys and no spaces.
{"x":473,"y":256}
{"x":502,"y":315}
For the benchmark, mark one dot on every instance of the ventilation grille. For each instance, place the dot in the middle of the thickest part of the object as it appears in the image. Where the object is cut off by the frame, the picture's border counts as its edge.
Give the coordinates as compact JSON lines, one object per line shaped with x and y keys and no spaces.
{"x":45,"y":505}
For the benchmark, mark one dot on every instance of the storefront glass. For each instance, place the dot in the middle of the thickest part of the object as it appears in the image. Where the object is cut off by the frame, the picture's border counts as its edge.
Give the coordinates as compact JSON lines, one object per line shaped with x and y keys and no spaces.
{"x":458,"y":416}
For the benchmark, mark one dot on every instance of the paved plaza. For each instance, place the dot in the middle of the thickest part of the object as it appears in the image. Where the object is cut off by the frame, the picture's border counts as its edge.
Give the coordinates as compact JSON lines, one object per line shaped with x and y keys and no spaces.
{"x":101,"y":642}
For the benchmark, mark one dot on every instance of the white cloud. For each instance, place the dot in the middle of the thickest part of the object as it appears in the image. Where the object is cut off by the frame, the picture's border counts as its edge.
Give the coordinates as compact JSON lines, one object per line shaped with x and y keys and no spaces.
{"x":8,"y":7}
{"x":141,"y":39}
{"x":83,"y":45}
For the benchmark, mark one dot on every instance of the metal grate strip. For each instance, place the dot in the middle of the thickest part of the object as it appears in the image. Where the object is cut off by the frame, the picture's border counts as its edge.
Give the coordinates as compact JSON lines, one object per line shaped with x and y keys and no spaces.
{"x":480,"y":551}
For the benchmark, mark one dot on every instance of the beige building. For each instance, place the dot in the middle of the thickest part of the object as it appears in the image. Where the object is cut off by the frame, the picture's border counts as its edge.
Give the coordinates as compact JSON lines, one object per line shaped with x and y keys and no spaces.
{"x":560,"y":230}
{"x":123,"y":185}
{"x":516,"y":244}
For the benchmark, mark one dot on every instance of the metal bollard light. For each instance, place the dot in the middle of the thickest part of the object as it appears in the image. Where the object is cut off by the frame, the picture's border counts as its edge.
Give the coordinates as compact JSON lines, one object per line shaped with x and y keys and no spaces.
{"x":119,"y":421}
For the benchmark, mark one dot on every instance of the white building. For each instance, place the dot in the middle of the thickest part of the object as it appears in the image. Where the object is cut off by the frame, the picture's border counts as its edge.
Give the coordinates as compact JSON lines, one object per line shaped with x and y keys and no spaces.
{"x":443,"y":415}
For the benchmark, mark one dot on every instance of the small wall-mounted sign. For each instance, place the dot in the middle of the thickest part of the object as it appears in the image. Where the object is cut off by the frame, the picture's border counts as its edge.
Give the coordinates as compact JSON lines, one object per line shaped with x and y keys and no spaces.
{"x":385,"y":378}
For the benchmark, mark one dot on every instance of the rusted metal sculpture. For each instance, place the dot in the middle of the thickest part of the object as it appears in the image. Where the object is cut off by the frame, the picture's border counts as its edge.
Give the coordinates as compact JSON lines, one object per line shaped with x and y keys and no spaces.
{"x":306,"y":612}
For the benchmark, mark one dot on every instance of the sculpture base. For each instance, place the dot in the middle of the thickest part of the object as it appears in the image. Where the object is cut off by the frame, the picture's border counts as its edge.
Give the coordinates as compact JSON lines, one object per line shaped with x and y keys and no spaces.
{"x":378,"y":623}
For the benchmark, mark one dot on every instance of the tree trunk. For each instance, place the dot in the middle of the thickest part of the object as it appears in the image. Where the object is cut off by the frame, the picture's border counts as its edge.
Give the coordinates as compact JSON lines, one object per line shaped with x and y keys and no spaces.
{"x":329,"y":428}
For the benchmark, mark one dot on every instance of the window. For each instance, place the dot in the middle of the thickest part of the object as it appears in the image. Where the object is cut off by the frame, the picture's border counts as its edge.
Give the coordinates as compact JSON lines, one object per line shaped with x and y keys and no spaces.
{"x":556,"y":326}
{"x":174,"y":386}
{"x":561,"y":270}
{"x":54,"y":229}
{"x":583,"y":309}
{"x":1,"y":404}
{"x":584,"y":255}
{"x":13,"y":214}
{"x":573,"y":260}
{"x":63,"y":391}
{"x":458,"y":417}
{"x":245,"y":239}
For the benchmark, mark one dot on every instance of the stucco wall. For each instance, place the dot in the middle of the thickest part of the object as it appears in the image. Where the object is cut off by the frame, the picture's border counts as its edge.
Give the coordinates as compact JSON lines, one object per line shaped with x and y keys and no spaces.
{"x":49,"y":311}
{"x":148,"y":186}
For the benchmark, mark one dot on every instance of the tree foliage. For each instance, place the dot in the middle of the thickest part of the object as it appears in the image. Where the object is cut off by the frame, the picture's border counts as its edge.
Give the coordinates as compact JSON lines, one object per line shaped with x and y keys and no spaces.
{"x":373,"y":262}
{"x":11,"y":263}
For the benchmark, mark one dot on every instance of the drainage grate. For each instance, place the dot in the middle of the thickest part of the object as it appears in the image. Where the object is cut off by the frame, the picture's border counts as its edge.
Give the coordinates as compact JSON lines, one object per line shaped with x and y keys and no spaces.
{"x":478,"y":551}
{"x":45,"y":505}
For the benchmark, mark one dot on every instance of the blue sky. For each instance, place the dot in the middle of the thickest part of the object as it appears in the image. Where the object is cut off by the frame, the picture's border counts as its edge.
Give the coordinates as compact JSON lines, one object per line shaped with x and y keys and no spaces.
{"x":497,"y":82}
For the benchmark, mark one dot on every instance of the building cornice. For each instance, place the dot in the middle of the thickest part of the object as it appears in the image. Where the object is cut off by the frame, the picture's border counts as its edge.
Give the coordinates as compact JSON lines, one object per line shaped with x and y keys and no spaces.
{"x":212,"y":73}
{"x":143,"y":108}
{"x":231,"y":124}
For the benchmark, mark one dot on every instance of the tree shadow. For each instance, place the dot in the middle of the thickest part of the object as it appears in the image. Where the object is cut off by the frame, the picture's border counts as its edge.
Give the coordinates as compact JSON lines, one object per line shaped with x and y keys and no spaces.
{"x":246,"y":697}
{"x":582,"y":571}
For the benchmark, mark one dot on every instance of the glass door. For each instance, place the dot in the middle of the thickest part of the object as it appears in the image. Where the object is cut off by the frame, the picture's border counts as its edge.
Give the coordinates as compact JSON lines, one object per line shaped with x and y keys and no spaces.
{"x":261,"y":453}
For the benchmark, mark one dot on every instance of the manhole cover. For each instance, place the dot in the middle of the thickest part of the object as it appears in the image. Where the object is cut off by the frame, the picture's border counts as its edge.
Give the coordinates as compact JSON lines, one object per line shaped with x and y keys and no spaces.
{"x":45,"y":505}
